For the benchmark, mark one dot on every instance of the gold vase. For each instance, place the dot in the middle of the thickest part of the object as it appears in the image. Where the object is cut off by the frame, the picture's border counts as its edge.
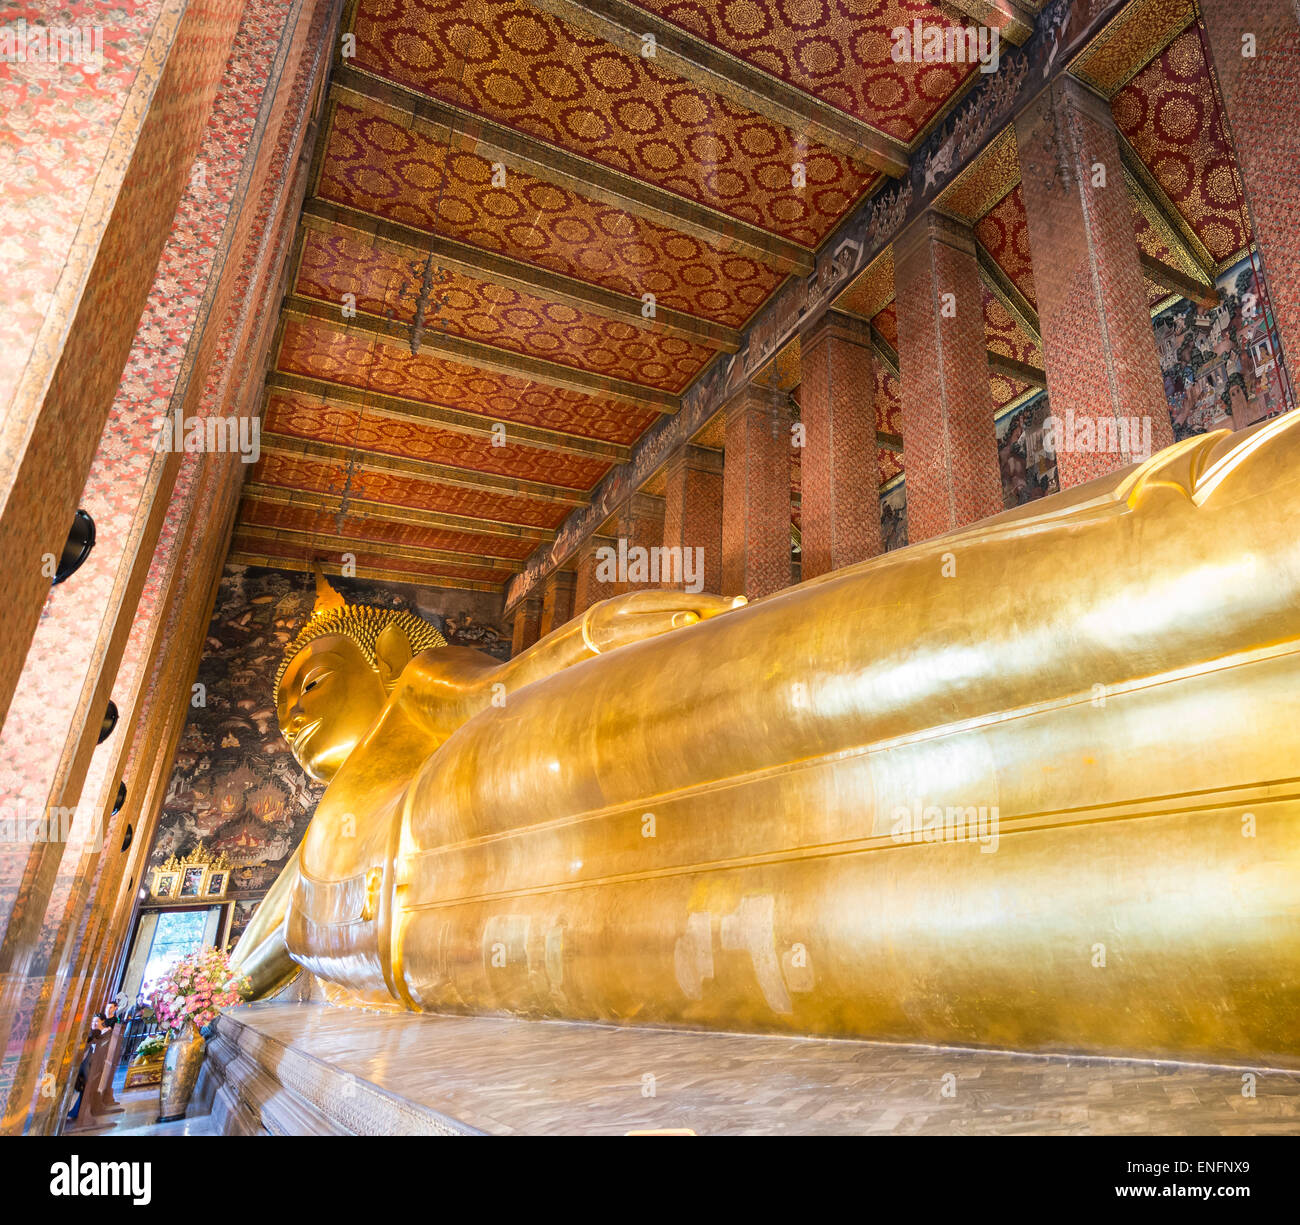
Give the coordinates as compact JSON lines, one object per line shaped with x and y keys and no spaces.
{"x":182,"y":1059}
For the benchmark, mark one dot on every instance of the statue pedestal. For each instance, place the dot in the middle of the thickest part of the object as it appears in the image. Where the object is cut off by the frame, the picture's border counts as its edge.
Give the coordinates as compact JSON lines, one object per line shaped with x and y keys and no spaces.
{"x":308,"y":1068}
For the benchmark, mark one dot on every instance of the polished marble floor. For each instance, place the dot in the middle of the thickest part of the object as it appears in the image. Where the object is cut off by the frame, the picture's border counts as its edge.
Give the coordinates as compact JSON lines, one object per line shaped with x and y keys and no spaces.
{"x":139,"y":1115}
{"x":512,"y":1077}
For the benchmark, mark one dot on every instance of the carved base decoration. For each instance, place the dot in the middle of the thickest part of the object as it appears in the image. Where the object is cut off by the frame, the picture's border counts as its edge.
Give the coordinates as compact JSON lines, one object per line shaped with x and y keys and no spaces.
{"x":146,"y":1066}
{"x":143,"y":1071}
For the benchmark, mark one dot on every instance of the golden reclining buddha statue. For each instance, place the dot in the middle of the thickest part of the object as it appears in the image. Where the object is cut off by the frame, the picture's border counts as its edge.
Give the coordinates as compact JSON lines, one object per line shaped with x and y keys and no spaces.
{"x":1031,"y":785}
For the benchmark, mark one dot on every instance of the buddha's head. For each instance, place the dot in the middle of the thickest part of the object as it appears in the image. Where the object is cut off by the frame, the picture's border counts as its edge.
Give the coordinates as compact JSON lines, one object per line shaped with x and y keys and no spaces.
{"x":337,"y":673}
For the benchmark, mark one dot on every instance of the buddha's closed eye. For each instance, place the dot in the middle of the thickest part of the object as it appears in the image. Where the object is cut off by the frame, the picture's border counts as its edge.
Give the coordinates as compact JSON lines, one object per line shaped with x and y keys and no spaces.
{"x":314,"y":680}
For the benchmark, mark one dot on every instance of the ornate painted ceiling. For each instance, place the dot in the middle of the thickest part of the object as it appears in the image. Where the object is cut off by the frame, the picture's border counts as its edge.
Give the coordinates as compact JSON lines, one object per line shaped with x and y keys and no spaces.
{"x":1188,"y":216}
{"x":531,"y":225}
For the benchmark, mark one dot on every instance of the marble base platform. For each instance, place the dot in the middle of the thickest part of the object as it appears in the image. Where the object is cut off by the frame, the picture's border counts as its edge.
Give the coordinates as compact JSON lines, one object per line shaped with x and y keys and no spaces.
{"x":308,"y":1068}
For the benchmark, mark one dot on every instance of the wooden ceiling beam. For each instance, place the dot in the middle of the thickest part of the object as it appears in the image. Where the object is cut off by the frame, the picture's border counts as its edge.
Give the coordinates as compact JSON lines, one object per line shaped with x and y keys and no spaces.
{"x":1160,"y":210}
{"x":1178,"y":282}
{"x":374,"y":461}
{"x":1020,"y":372}
{"x":338,"y":545}
{"x":241,"y":556}
{"x":884,"y":352}
{"x":1001,"y":287}
{"x":1168,"y":224}
{"x":628,"y":26}
{"x":391,"y":512}
{"x":486,"y":357}
{"x":1013,"y":19}
{"x":459,"y":421}
{"x":450,"y":125}
{"x":326,"y":217}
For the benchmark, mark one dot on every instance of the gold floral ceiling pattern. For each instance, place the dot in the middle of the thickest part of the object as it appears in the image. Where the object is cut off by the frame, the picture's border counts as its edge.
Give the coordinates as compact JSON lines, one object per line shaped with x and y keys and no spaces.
{"x":537,"y":229}
{"x":520,"y":66}
{"x":292,"y":472}
{"x":376,"y":166}
{"x":1168,"y":114}
{"x":506,"y":318}
{"x":297,"y":416}
{"x":360,"y":527}
{"x":331,"y":353}
{"x":838,"y":51}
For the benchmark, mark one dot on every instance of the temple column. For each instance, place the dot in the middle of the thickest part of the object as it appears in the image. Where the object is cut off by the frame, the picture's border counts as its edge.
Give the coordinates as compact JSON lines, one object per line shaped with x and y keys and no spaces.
{"x":693,"y":509}
{"x":528,"y":623}
{"x":230,"y":238}
{"x":587,"y":588}
{"x":756,"y":494}
{"x":840,"y":470}
{"x":93,"y":249}
{"x":1257,"y":90}
{"x":949,"y":446}
{"x":1103,"y":373}
{"x":641,"y":524}
{"x":557,"y":600}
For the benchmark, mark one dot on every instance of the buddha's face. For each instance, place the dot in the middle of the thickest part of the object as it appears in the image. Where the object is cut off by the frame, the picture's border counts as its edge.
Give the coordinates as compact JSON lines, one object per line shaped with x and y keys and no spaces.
{"x":329,"y":699}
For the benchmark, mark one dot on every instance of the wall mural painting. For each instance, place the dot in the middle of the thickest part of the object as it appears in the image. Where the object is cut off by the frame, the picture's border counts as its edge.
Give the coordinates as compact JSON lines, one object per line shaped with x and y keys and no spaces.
{"x":893,"y":516}
{"x":235,"y":787}
{"x":1028,"y":468}
{"x":1220,"y":368}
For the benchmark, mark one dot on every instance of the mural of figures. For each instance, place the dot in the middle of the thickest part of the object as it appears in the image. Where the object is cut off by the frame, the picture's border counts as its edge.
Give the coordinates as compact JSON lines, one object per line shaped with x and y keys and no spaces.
{"x":893,"y":516}
{"x":1028,"y":468}
{"x":1220,"y":368}
{"x":235,"y":787}
{"x":240,"y":918}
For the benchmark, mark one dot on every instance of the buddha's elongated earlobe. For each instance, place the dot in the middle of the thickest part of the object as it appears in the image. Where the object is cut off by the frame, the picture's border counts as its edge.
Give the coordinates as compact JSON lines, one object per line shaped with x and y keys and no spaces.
{"x":392,"y":654}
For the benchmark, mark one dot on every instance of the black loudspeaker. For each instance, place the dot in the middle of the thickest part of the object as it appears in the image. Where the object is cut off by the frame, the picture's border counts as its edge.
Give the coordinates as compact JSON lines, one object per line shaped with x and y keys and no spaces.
{"x":109,"y":723}
{"x":81,"y":539}
{"x":121,"y":798}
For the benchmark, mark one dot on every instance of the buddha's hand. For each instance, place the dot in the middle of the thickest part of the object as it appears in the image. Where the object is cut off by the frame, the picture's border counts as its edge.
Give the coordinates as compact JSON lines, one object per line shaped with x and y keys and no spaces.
{"x":645,"y":614}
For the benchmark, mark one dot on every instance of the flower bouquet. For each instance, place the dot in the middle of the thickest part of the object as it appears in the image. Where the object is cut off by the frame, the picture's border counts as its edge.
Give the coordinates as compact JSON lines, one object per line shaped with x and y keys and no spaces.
{"x":196,"y":988}
{"x":191,"y":994}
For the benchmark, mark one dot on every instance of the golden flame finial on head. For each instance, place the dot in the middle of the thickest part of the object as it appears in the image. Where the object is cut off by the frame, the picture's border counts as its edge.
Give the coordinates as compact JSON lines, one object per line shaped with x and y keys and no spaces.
{"x":326,"y":596}
{"x":362,"y":623}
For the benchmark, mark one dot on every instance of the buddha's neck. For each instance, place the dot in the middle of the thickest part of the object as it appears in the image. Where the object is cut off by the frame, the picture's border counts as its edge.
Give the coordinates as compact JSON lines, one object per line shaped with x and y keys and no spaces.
{"x":389,"y":755}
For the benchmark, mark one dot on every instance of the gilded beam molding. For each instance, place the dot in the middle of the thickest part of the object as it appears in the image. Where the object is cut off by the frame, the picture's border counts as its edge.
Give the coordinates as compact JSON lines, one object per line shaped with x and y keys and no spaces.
{"x":391,"y":512}
{"x":326,"y":217}
{"x":456,"y":128}
{"x":708,"y":66}
{"x":484,"y":356}
{"x":373,"y":461}
{"x":339,"y":395}
{"x":1195,"y":278}
{"x":884,"y":352}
